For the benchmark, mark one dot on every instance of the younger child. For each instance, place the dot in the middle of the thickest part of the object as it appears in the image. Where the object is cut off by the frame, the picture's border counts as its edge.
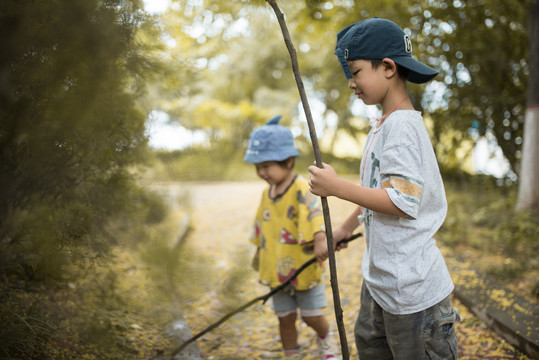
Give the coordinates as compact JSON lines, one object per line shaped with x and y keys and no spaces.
{"x":288,"y":224}
{"x":405,"y":308}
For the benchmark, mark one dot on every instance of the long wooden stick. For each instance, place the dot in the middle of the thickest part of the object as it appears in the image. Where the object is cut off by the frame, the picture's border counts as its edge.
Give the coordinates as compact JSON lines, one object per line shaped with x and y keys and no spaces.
{"x":255,"y":300}
{"x":318,"y":158}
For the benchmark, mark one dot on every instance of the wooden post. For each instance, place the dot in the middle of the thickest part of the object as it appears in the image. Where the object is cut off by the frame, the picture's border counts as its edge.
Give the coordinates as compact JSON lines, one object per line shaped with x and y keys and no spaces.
{"x":318,"y":158}
{"x":528,"y":189}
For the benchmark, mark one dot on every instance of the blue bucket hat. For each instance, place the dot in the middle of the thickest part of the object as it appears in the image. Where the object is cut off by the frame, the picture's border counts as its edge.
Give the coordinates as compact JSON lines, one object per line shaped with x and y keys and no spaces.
{"x":270,"y":142}
{"x":375,"y":39}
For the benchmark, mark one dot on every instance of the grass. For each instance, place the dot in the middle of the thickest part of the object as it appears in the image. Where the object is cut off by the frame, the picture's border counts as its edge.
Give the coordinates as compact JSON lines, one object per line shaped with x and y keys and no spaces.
{"x":118,"y":307}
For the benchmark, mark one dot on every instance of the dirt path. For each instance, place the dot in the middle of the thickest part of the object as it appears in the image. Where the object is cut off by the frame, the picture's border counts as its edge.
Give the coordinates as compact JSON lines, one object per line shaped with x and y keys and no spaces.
{"x":222,"y":215}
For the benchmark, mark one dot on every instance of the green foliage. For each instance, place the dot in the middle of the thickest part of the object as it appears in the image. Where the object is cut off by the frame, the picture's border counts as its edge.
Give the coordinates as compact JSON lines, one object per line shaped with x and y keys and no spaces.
{"x":484,"y":62}
{"x":70,"y":125}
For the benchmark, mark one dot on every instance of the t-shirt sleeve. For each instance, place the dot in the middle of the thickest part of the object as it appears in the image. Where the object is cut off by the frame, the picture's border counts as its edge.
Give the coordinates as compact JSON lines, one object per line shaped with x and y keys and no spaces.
{"x":310,"y":219}
{"x":402,"y":179}
{"x":256,"y":230}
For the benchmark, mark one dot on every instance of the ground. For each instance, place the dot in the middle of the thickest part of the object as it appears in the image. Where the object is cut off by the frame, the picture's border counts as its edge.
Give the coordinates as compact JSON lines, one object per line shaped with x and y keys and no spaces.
{"x":221,"y":215}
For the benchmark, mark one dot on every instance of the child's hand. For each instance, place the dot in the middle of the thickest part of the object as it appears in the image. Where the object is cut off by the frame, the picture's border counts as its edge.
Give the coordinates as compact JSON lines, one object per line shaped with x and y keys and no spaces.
{"x":320,"y":246}
{"x":341,"y":234}
{"x":322,"y":180}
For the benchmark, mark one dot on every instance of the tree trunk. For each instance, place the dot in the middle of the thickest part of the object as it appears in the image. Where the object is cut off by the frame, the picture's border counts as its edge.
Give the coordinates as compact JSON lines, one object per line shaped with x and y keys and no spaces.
{"x":528,"y":191}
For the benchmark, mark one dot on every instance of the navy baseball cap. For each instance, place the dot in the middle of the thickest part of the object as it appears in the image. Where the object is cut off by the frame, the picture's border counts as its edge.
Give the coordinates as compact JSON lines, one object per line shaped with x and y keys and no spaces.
{"x":375,"y":39}
{"x":270,"y":142}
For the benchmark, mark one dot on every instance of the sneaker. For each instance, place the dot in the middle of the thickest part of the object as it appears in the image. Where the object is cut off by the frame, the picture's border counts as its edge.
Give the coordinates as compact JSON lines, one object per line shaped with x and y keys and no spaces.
{"x":326,"y":348}
{"x":293,"y":357}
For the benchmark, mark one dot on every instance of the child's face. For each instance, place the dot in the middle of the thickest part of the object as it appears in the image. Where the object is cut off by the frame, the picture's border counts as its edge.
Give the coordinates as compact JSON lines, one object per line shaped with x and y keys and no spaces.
{"x":369,"y":84}
{"x":272,"y":172}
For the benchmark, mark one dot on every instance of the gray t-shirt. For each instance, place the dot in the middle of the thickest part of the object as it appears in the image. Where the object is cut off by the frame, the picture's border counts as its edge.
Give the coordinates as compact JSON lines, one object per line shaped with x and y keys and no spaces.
{"x":402,"y":266}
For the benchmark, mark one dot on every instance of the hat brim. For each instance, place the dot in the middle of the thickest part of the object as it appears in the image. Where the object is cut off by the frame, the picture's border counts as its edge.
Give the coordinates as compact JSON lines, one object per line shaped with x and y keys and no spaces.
{"x":419,"y":72}
{"x":264,"y":156}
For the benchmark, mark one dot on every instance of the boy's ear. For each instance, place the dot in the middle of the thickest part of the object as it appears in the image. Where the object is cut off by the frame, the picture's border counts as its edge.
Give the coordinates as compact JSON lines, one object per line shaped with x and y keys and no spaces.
{"x":389,"y":67}
{"x":290,"y":162}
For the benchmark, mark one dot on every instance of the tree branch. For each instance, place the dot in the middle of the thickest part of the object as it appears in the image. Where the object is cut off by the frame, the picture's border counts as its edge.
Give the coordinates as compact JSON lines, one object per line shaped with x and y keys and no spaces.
{"x":318,"y":158}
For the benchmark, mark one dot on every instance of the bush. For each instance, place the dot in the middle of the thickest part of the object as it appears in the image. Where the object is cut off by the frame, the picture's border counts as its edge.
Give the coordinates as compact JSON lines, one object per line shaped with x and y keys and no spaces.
{"x":71,"y":127}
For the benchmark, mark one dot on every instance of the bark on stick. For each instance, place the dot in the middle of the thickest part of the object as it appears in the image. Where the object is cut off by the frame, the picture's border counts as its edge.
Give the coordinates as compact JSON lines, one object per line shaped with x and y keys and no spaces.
{"x":318,"y":158}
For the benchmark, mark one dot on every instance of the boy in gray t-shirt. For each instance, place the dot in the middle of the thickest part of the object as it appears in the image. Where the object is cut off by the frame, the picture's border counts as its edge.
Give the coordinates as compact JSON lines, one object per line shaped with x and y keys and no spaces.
{"x":405,"y":308}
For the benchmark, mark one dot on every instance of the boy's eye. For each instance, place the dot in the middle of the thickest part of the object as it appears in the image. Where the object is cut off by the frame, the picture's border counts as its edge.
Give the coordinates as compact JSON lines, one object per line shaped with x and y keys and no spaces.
{"x":355,"y":72}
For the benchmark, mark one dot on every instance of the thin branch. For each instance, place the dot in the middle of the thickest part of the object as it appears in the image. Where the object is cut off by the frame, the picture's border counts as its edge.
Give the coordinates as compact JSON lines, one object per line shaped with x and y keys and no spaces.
{"x":318,"y":158}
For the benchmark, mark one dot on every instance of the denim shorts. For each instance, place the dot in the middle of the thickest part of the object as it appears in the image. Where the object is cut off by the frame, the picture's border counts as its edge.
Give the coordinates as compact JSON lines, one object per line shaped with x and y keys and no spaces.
{"x":314,"y":298}
{"x":428,"y":334}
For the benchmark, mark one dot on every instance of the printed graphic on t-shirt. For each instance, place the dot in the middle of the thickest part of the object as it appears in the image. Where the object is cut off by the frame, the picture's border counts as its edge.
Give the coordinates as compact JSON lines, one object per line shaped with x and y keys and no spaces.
{"x":373,"y":183}
{"x":375,"y":170}
{"x":263,"y":242}
{"x":285,"y":237}
{"x":285,"y":269}
{"x":256,"y":229}
{"x":291,"y":213}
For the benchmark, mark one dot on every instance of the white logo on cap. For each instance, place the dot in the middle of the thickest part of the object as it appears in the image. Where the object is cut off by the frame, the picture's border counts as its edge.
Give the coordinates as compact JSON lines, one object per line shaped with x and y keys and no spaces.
{"x":407,"y":44}
{"x":346,"y":53}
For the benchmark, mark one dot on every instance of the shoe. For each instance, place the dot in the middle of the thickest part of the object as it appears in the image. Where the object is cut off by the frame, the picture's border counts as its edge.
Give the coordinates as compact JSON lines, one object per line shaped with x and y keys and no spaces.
{"x":326,"y":348}
{"x":293,"y":357}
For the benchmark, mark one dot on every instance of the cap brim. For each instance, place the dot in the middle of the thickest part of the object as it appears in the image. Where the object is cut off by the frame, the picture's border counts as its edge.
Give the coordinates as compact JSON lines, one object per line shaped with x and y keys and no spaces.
{"x":419,"y":72}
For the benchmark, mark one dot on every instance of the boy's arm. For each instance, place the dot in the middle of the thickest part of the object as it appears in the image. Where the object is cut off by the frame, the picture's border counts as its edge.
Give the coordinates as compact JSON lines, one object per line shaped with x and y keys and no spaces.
{"x":325,"y":182}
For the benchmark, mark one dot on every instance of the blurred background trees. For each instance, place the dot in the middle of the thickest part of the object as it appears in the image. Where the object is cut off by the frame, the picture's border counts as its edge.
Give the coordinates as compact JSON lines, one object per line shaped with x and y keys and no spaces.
{"x":241,"y":72}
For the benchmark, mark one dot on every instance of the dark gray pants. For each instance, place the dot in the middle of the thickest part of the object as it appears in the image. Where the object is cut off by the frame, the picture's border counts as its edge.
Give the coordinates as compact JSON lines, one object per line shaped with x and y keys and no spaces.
{"x":428,"y":334}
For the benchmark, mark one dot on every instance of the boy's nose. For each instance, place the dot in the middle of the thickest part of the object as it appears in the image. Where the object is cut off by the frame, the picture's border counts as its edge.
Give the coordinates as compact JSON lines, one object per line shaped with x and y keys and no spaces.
{"x":351,"y":84}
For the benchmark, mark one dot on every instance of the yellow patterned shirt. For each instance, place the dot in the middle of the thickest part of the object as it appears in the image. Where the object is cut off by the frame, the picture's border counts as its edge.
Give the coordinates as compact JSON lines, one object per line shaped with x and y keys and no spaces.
{"x":284,"y":230}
